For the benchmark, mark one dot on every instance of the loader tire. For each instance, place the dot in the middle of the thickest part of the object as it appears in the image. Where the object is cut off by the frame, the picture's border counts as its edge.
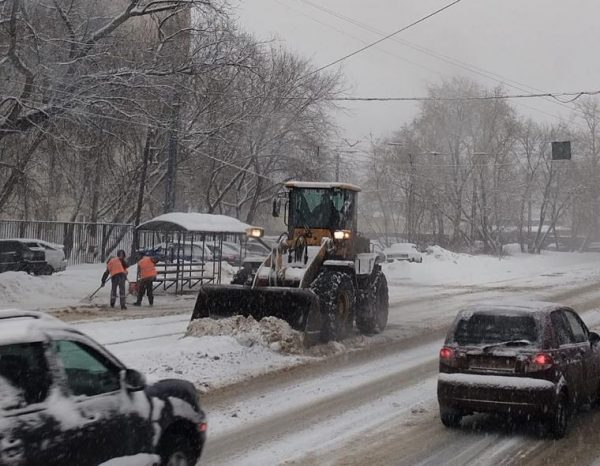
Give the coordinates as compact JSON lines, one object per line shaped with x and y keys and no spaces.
{"x":336,"y":294}
{"x":372,"y":317}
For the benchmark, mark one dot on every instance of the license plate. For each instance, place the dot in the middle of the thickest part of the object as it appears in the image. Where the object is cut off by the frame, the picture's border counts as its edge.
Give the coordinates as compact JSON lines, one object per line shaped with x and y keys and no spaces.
{"x":498,"y":364}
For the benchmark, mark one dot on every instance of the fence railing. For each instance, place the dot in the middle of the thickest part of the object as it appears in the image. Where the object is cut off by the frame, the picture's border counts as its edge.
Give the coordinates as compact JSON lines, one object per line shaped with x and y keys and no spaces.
{"x":83,"y":242}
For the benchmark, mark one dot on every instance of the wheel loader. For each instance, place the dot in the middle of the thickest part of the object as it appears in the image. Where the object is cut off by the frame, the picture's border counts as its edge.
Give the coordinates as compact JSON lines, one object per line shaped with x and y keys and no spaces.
{"x":320,"y":277}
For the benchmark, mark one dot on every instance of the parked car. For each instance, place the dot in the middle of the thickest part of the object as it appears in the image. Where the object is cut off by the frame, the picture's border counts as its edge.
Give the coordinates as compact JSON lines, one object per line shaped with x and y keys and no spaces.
{"x":64,"y":399}
{"x":55,"y":254}
{"x":533,"y":359}
{"x":186,"y":252}
{"x":16,"y":256}
{"x":230,"y":252}
{"x":254,"y":248}
{"x":403,"y":252}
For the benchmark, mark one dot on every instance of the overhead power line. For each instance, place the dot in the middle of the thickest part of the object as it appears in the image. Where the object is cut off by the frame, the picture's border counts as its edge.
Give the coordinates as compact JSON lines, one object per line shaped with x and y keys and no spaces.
{"x":386,"y":37}
{"x":555,"y":95}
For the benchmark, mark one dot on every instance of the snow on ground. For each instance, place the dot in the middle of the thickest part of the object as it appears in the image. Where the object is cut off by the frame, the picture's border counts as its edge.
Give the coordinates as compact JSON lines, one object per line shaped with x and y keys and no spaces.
{"x":67,"y":289}
{"x":444,"y":270}
{"x":157,"y":347}
{"x":442,"y":267}
{"x":217,"y":353}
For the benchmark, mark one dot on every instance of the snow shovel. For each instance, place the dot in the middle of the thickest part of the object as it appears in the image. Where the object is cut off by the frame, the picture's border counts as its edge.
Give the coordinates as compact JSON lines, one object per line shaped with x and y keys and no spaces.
{"x":90,"y":297}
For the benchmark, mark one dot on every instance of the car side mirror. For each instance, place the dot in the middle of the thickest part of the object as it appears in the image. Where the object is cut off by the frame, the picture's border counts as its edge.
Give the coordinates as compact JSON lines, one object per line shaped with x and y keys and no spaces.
{"x":133,"y":380}
{"x":594,"y":338}
{"x":276,"y":207}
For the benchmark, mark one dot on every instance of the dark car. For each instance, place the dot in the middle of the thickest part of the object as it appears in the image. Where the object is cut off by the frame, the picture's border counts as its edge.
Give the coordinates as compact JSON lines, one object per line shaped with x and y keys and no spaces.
{"x":64,"y":400}
{"x":532,"y":359}
{"x":16,"y":256}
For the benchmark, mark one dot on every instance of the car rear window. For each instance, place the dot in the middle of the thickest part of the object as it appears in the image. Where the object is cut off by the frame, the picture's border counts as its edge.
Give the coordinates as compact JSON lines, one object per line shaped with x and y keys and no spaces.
{"x":478,"y":329}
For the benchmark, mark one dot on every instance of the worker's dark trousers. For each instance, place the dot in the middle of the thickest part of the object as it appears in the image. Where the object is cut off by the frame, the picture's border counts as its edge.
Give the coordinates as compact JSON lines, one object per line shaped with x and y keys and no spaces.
{"x":118,"y":281}
{"x":145,"y":287}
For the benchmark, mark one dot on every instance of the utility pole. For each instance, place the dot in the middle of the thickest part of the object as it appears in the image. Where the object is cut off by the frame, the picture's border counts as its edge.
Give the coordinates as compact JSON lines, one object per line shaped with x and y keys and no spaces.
{"x":141,"y":190}
{"x":171,"y":178}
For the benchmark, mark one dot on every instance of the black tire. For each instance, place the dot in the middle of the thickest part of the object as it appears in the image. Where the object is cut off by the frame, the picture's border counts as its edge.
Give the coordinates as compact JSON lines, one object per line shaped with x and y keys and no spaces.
{"x":372,"y":317}
{"x":178,"y":451}
{"x":337,"y":298}
{"x":450,"y":417}
{"x":558,"y":420}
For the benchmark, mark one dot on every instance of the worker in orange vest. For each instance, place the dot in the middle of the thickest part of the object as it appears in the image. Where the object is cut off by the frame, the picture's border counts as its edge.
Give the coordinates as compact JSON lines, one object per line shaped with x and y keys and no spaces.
{"x":116,"y":267}
{"x":147,"y":273}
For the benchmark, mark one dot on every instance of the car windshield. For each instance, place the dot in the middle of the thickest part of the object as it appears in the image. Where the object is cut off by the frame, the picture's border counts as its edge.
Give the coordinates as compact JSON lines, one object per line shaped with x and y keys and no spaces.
{"x":486,"y":329}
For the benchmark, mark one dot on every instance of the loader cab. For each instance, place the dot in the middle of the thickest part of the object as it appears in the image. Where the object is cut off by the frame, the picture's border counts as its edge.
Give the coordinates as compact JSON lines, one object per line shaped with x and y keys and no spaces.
{"x":318,"y":210}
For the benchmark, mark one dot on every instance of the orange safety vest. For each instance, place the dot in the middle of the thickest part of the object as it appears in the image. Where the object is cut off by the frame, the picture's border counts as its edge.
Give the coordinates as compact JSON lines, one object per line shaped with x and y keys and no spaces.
{"x":147,"y":268}
{"x":115,"y":267}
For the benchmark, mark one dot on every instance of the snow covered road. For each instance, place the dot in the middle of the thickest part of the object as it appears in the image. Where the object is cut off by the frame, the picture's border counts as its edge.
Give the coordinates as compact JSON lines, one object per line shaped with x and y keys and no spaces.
{"x":378,"y":408}
{"x":368,"y":400}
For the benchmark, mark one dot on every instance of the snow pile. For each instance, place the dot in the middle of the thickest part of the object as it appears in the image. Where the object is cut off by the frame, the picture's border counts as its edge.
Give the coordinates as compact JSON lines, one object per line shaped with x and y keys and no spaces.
{"x":18,"y":289}
{"x":271,"y":332}
{"x":441,"y":254}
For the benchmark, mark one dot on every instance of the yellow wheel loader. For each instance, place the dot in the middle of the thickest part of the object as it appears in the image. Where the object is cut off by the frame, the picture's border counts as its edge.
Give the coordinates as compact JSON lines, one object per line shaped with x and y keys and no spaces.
{"x":321,"y":276}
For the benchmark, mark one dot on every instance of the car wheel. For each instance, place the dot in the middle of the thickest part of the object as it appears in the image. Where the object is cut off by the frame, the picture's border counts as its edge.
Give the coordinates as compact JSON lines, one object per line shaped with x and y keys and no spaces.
{"x":450,"y":417}
{"x":558,"y":420}
{"x":179,"y":452}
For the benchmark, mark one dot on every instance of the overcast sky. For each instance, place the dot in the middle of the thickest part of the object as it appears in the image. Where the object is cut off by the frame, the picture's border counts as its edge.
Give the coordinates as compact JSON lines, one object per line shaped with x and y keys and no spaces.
{"x":546,"y":45}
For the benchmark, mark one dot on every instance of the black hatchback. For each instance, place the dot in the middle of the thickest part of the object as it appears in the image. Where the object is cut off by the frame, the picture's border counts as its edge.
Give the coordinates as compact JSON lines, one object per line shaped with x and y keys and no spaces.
{"x":530,"y":358}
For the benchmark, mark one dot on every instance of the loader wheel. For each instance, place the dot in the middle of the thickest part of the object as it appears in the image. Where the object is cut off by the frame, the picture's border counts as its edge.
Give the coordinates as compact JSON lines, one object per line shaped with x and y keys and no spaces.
{"x":372,"y":317}
{"x":336,"y":297}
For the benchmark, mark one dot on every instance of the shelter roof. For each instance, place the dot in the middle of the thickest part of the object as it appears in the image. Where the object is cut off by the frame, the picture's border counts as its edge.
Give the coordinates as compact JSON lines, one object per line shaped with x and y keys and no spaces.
{"x":321,"y":185}
{"x":195,"y":222}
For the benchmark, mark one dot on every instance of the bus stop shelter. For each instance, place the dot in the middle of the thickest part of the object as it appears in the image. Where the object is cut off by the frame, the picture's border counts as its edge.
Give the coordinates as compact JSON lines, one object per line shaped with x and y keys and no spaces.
{"x":189,"y":247}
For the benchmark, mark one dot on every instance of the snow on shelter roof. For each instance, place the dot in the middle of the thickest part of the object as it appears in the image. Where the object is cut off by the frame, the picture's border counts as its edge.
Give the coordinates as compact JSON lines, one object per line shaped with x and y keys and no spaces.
{"x":321,"y":185}
{"x":195,"y":222}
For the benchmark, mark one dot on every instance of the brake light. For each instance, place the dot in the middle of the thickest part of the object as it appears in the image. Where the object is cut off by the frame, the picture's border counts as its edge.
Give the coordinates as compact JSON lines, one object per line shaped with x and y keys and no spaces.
{"x":540,"y":362}
{"x":202,"y":427}
{"x":446,"y":353}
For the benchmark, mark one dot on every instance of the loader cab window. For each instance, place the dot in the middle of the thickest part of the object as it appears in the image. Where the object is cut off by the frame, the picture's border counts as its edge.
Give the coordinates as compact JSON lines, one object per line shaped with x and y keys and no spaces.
{"x":321,"y":208}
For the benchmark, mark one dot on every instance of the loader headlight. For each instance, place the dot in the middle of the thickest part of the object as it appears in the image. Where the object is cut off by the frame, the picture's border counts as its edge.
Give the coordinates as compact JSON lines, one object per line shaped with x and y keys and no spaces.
{"x":341,"y":234}
{"x":255,"y":232}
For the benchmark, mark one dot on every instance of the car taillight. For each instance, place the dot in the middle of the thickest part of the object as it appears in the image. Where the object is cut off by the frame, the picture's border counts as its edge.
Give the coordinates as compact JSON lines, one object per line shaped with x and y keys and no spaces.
{"x":446,"y":353}
{"x":541,"y":362}
{"x":202,"y":427}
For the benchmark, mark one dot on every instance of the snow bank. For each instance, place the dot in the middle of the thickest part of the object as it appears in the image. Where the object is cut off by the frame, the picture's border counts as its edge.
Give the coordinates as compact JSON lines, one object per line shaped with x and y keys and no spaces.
{"x":441,"y":254}
{"x":69,"y":288}
{"x":441,"y":267}
{"x":271,"y":332}
{"x":18,"y":289}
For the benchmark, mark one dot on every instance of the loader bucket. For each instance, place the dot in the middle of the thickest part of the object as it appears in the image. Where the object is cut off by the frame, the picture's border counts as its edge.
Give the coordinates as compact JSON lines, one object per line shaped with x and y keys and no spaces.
{"x":298,"y":307}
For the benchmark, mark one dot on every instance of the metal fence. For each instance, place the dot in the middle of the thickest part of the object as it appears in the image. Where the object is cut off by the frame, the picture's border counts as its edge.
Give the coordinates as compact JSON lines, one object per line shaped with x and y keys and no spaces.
{"x":83,"y":242}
